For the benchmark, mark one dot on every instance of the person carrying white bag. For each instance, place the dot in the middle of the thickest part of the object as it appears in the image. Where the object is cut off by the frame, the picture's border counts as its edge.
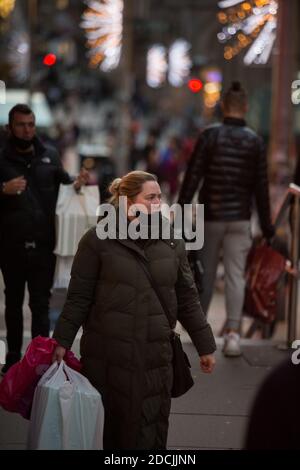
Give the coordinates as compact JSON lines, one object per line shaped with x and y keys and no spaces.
{"x":67,"y":412}
{"x":76,"y":213}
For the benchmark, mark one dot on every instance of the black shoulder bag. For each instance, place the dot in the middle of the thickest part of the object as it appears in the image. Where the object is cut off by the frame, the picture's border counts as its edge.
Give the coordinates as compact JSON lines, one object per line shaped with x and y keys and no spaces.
{"x":182,"y":377}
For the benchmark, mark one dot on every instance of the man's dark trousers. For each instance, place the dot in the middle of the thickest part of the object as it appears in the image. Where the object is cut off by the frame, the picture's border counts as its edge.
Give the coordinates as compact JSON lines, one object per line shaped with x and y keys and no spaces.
{"x":32,"y":264}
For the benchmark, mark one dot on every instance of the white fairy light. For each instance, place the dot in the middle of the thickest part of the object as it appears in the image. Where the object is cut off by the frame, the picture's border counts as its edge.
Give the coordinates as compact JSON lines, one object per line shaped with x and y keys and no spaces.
{"x":179,"y":62}
{"x":19,"y":56}
{"x":222,"y":36}
{"x":156,"y":66}
{"x":260,"y":50}
{"x":229,"y":3}
{"x":103,"y":25}
{"x":251,"y":23}
{"x":264,"y":57}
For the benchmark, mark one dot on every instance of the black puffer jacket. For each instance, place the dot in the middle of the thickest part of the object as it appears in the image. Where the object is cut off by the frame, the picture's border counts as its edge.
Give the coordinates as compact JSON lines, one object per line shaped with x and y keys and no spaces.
{"x":125,"y":348}
{"x":30,"y":216}
{"x":230,"y":160}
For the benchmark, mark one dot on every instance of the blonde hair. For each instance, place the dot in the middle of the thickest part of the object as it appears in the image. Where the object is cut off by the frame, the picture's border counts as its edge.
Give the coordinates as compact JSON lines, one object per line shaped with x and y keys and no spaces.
{"x":129,"y":185}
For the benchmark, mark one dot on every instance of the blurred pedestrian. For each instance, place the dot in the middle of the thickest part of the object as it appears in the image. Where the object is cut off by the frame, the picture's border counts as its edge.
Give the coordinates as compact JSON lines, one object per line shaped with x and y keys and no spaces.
{"x":296,"y":180}
{"x":126,"y":343}
{"x":273,"y":423}
{"x":229,"y":163}
{"x":150,"y":154}
{"x":30,"y":175}
{"x":170,"y":165}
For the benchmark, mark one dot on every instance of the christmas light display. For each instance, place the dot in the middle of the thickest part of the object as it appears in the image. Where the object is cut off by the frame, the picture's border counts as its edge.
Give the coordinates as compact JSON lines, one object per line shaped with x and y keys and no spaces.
{"x":103,"y":25}
{"x":179,"y":62}
{"x":248,"y":23}
{"x":157,"y":66}
{"x":6,"y":7}
{"x":19,"y":56}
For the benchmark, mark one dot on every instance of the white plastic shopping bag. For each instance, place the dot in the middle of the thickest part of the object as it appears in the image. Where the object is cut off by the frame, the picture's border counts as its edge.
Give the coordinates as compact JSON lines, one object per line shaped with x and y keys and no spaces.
{"x":63,"y":272}
{"x":67,"y":412}
{"x":75,"y":214}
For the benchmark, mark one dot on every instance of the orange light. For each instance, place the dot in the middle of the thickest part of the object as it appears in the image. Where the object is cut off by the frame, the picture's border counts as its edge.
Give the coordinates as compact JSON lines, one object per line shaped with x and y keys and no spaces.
{"x":261,"y":3}
{"x":228,"y":55}
{"x":6,"y":7}
{"x":222,"y":17}
{"x":246,"y":6}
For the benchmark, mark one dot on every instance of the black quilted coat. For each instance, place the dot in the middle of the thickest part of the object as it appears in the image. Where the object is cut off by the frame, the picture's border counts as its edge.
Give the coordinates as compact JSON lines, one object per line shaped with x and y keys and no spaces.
{"x":230,"y":163}
{"x":31,"y":215}
{"x":125,"y":347}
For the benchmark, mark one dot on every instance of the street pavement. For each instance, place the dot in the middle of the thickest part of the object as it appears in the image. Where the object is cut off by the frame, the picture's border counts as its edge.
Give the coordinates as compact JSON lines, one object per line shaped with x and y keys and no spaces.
{"x":214,"y":413}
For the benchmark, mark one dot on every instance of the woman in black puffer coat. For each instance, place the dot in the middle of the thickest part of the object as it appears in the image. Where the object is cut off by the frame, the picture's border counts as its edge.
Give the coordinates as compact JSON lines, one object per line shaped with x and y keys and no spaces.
{"x":125,"y":348}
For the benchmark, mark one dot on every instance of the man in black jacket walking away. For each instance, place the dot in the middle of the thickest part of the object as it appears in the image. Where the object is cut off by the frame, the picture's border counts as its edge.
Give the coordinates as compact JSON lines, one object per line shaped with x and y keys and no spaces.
{"x":230,"y":163}
{"x":30,"y":175}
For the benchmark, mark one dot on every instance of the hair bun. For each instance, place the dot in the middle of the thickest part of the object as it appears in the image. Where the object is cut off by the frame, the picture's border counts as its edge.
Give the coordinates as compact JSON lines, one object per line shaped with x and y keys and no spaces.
{"x":236,"y":86}
{"x":115,"y":186}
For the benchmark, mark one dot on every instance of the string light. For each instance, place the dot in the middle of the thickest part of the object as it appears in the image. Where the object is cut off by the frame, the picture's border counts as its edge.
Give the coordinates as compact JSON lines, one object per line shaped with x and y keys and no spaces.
{"x":103,"y":25}
{"x":6,"y":7}
{"x":19,"y":56}
{"x":212,"y":89}
{"x":248,"y":23}
{"x":157,"y":66}
{"x":179,"y":62}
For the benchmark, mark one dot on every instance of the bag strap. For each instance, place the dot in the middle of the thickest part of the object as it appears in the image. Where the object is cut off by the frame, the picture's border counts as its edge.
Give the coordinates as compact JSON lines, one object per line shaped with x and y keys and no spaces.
{"x":155,"y":288}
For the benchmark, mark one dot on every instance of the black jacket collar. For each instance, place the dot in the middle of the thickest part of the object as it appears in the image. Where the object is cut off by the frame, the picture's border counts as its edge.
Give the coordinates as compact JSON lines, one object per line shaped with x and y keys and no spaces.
{"x":9,"y":151}
{"x":232,"y":121}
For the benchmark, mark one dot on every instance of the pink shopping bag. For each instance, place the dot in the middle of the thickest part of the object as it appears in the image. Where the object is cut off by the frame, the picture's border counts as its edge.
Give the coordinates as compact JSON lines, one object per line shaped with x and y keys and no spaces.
{"x":19,"y":383}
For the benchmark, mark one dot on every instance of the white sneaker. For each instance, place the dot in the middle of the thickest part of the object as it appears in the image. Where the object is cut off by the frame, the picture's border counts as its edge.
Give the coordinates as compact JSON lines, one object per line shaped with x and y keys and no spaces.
{"x":231,"y":346}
